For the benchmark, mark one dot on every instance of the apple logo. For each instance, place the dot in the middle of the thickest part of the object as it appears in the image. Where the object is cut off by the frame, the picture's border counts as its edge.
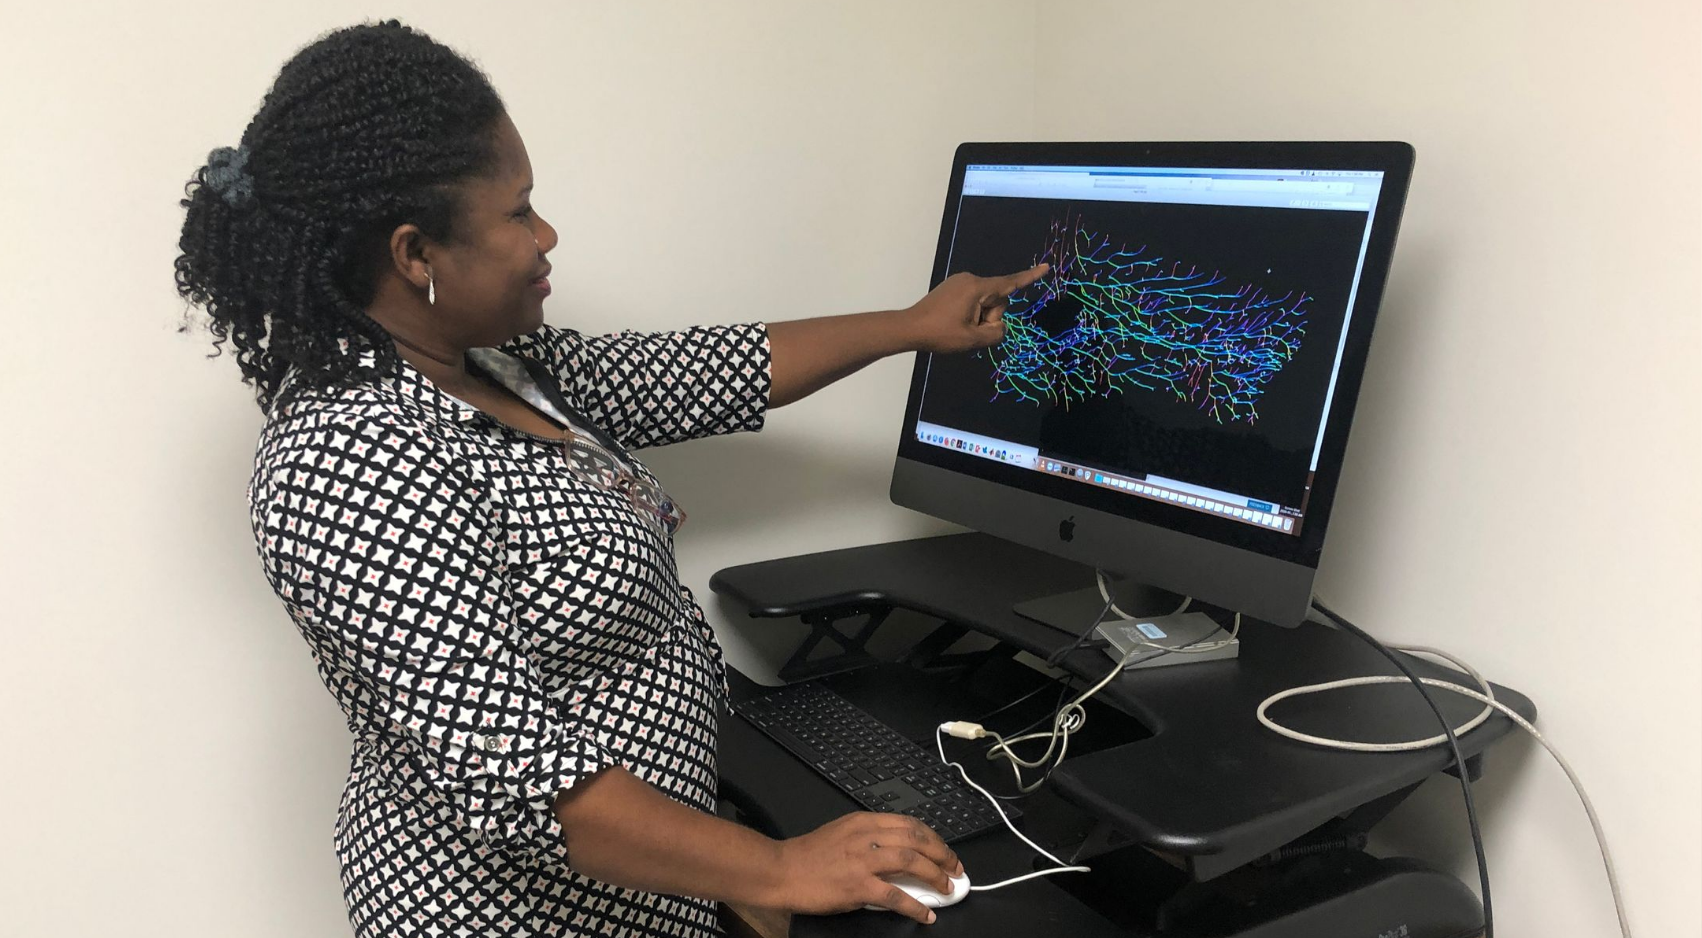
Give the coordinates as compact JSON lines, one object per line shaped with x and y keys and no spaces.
{"x":1067,"y":529}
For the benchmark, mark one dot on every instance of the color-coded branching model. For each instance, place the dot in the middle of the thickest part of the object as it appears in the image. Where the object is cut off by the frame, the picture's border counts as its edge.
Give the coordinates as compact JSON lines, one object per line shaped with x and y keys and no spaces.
{"x":1106,"y":320}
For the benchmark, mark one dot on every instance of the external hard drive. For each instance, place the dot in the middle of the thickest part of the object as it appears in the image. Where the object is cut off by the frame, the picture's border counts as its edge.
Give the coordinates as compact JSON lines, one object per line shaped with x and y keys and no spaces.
{"x":1155,"y":641}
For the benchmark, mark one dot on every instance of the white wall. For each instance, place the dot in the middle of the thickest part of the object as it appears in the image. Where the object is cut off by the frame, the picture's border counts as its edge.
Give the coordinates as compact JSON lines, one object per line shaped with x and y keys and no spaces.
{"x":172,"y":762}
{"x":1521,"y":482}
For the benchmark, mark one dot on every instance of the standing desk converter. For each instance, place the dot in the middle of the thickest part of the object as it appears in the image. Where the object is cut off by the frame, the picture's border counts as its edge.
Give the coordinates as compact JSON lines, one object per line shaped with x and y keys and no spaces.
{"x":1196,"y":819}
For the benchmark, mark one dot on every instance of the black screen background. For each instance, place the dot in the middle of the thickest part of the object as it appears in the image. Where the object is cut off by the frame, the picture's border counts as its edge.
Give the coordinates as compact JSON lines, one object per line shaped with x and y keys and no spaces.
{"x":1149,"y":433}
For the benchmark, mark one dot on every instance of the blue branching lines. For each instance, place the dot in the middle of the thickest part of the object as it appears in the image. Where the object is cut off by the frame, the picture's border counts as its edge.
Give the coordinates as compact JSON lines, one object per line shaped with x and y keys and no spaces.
{"x":1106,"y":320}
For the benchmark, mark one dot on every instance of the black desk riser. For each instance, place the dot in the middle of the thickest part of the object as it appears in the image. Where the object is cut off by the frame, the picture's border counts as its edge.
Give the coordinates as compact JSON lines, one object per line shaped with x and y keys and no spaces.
{"x":1173,"y":761}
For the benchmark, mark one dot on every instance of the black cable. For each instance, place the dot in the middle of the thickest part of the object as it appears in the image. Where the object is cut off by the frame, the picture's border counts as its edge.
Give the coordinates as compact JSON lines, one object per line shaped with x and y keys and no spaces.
{"x":1056,"y":657}
{"x":1052,"y":662}
{"x":1063,"y":682}
{"x":1055,"y":660}
{"x":1453,"y":744}
{"x":1047,"y":685}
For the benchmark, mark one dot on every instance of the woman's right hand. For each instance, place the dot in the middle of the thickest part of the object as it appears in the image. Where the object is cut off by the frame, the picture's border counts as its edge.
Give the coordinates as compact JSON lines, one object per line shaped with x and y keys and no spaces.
{"x":838,"y":866}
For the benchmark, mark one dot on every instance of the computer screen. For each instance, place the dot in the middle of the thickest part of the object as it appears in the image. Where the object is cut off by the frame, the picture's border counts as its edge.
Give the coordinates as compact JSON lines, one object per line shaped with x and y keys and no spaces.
{"x":1180,"y":363}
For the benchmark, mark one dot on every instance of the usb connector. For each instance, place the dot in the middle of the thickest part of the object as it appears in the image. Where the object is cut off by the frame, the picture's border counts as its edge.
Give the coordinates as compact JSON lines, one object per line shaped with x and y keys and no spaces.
{"x":963,"y":729}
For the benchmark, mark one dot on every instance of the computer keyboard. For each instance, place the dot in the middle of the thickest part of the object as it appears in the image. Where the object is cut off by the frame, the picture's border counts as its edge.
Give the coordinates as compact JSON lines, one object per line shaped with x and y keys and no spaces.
{"x":870,"y":761}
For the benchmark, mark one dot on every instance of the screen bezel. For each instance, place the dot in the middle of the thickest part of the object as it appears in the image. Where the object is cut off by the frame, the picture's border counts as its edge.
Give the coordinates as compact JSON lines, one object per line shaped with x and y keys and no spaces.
{"x":1393,"y":159}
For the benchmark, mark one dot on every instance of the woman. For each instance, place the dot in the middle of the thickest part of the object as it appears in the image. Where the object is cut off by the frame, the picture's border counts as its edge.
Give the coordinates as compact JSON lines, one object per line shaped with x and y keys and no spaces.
{"x":444,"y":499}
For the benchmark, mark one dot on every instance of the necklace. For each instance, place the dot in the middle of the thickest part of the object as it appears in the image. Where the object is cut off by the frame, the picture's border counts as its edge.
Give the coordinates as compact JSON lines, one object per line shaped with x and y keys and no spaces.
{"x":396,"y":338}
{"x":429,"y":356}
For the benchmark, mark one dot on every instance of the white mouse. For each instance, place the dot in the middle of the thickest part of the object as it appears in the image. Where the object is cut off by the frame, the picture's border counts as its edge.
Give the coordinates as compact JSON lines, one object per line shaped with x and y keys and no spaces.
{"x":926,"y":894}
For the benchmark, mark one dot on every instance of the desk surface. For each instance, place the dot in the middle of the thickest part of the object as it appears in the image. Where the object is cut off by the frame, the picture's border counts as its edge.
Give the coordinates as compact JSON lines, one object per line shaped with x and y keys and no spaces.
{"x":1208,"y":784}
{"x":785,"y":798}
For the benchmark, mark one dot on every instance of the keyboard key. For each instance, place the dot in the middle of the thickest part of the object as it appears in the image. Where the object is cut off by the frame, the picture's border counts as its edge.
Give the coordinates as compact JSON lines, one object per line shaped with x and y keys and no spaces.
{"x":870,"y":761}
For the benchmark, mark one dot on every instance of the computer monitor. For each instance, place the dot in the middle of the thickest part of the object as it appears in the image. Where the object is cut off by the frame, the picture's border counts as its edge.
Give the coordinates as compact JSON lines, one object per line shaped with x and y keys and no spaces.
{"x":1171,"y":402}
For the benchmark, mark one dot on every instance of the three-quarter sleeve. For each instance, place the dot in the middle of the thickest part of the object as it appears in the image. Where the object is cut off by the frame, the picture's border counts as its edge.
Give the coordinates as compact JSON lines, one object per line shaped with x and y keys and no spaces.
{"x":652,"y":389}
{"x":390,"y":556}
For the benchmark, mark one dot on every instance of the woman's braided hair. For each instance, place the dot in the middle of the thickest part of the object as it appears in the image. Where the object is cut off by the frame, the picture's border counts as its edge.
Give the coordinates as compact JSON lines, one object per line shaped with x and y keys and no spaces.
{"x":367,"y":128}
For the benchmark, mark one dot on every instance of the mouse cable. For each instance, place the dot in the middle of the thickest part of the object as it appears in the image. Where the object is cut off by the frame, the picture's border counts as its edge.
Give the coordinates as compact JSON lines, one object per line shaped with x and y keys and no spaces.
{"x":1063,"y":681}
{"x":1070,"y":717}
{"x":1105,"y":594}
{"x":1487,"y":697}
{"x":1062,"y":867}
{"x":1052,"y":661}
{"x":1067,"y":720}
{"x":1055,"y":659}
{"x":1453,"y":745}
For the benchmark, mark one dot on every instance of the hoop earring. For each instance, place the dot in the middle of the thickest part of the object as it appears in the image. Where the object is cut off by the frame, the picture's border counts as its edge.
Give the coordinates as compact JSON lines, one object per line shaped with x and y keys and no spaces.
{"x":431,"y":290}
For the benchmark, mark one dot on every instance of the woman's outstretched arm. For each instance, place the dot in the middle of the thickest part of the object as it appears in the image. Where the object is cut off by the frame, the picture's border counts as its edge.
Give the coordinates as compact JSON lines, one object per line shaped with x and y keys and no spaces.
{"x":963,"y":313}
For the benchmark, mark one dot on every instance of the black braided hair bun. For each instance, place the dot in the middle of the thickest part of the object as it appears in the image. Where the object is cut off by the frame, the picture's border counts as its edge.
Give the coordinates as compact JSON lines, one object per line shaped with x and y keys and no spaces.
{"x":367,"y":128}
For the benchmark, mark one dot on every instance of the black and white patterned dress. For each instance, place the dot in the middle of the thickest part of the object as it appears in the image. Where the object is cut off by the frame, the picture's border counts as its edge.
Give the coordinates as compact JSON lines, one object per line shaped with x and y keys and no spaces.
{"x":496,"y":629}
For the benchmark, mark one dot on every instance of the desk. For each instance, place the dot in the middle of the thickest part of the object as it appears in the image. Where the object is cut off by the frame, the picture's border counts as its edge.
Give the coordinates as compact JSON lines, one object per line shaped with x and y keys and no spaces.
{"x":1180,"y":769}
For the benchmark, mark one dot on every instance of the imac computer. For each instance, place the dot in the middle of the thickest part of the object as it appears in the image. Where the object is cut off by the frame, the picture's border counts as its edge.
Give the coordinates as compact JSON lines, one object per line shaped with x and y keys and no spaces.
{"x":1172,"y":400}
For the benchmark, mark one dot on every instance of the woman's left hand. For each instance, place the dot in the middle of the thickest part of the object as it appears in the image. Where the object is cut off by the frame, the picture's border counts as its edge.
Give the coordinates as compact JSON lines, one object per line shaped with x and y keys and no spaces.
{"x":966,"y":312}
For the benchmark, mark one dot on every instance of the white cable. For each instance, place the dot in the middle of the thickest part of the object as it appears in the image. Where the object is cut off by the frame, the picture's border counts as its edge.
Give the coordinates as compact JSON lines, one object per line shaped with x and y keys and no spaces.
{"x":1034,"y":875}
{"x":940,"y":744}
{"x":1105,"y":594}
{"x":1069,"y":718}
{"x":1072,"y":716}
{"x":1490,"y":703}
{"x":1194,"y":649}
{"x":1488,"y":695}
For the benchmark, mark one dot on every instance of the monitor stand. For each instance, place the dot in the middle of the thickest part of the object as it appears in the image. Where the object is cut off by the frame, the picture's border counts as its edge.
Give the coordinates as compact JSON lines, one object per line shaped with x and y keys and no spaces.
{"x":1154,"y":622}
